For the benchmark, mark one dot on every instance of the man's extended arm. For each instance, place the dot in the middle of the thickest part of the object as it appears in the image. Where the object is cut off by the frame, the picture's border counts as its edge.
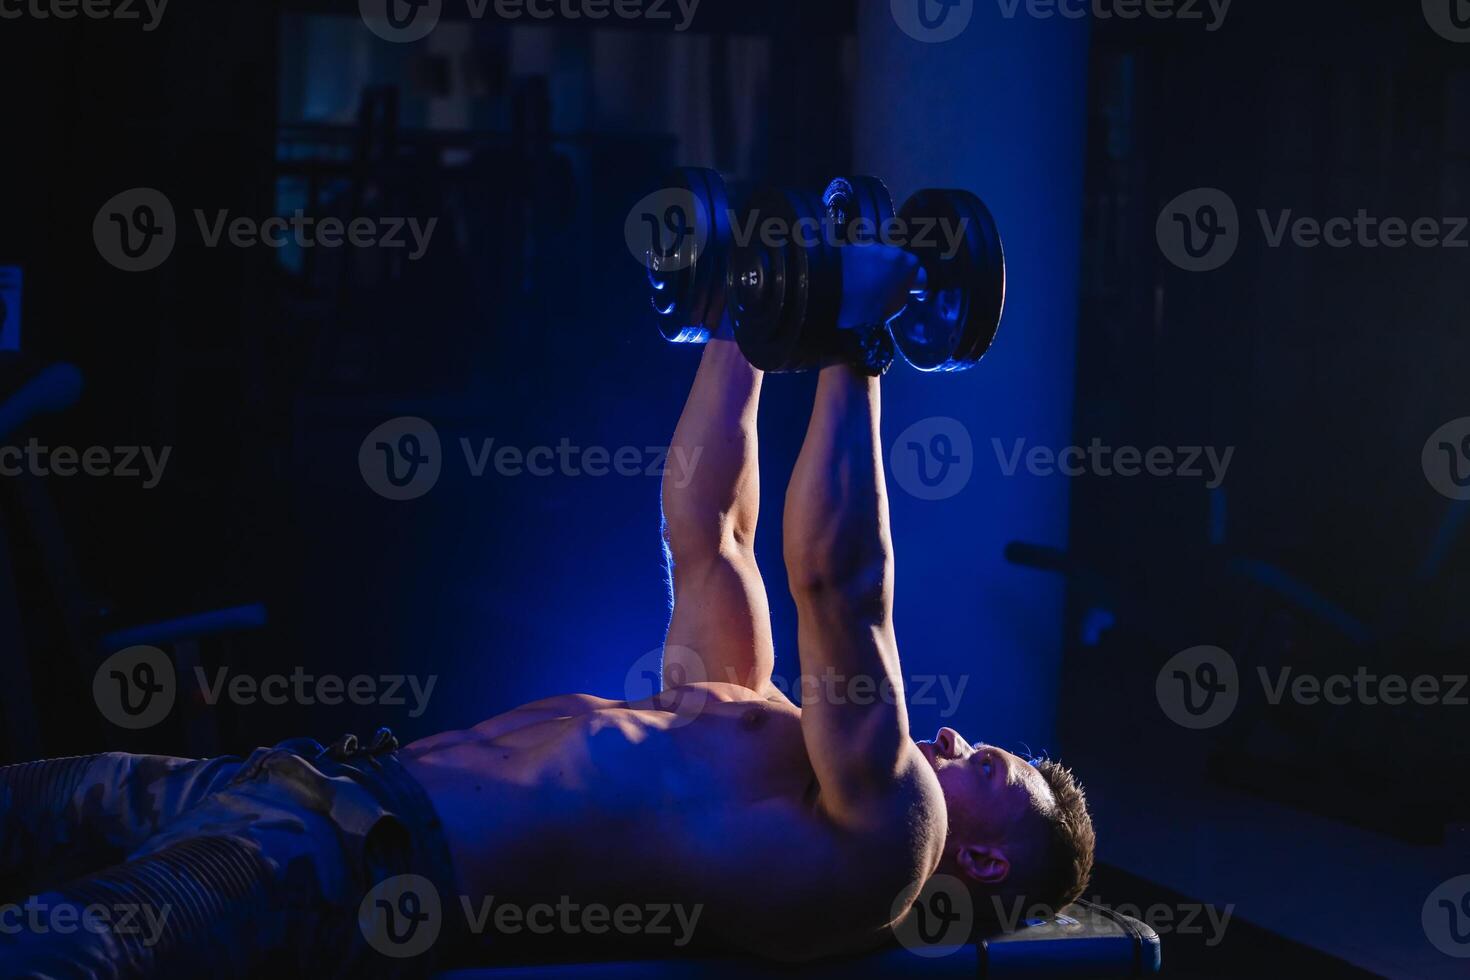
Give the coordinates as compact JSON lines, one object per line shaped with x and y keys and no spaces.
{"x":721,"y":625}
{"x":839,"y":558}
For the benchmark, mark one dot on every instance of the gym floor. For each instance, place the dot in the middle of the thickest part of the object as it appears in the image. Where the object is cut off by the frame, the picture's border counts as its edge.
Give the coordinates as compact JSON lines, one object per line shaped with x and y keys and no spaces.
{"x":1195,"y":949}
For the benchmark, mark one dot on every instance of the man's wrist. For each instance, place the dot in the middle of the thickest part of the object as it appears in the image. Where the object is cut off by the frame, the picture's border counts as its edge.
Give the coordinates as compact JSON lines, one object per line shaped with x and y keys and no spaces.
{"x":867,"y":347}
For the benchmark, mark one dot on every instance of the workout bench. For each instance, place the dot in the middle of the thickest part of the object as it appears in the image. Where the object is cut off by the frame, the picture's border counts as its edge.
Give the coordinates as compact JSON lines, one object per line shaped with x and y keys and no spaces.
{"x":1085,"y":941}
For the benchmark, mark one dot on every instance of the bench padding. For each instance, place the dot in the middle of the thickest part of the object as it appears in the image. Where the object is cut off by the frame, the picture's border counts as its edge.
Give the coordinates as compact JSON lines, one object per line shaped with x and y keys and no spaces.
{"x":1086,"y":940}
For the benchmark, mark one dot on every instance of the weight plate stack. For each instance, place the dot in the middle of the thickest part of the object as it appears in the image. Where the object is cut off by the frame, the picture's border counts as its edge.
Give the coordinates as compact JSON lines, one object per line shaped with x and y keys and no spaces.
{"x":784,"y":282}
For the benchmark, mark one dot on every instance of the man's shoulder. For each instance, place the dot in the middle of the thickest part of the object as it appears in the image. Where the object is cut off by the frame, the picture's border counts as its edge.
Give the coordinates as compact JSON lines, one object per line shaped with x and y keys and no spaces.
{"x":906,"y":809}
{"x":841,"y":895}
{"x":898,"y":840}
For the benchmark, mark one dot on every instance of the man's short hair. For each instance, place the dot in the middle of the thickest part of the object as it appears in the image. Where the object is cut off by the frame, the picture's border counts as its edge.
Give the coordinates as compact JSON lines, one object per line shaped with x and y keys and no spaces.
{"x":1069,"y":844}
{"x":1058,"y":850}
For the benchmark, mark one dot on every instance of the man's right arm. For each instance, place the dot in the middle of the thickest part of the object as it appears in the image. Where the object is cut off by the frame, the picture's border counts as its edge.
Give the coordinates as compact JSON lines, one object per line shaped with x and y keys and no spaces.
{"x":839,"y":560}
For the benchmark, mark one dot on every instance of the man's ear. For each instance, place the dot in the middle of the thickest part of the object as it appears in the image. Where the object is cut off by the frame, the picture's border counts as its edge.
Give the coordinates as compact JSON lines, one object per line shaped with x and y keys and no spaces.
{"x":987,"y":865}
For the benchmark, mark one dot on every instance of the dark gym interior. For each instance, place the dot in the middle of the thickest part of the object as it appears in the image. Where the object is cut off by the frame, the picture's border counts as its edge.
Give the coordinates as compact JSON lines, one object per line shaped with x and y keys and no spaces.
{"x":1304,"y":397}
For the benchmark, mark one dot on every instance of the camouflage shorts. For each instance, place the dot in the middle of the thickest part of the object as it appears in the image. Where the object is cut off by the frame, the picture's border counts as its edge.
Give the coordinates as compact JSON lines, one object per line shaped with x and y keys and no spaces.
{"x":122,"y":865}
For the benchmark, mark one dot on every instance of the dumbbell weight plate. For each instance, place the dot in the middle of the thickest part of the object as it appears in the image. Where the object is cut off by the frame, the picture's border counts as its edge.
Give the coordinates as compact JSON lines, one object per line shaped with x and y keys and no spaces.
{"x":689,"y":231}
{"x":955,"y":311}
{"x":784,"y":282}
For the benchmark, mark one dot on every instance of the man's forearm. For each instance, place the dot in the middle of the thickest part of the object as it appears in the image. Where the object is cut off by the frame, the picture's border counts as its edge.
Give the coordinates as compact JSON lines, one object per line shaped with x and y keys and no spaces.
{"x":836,"y":522}
{"x":721,"y":498}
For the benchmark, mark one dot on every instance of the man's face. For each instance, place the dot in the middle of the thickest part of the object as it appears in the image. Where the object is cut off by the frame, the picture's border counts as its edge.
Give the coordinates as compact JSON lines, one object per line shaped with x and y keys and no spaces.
{"x":989,"y":792}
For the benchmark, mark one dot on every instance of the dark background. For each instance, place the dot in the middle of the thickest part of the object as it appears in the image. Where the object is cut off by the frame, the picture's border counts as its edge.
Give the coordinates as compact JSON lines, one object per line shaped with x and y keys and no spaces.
{"x":1326,"y":370}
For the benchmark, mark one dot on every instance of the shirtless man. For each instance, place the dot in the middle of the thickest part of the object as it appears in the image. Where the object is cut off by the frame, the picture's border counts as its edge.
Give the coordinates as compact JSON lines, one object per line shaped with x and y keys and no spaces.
{"x":795,"y":831}
{"x":722,"y":793}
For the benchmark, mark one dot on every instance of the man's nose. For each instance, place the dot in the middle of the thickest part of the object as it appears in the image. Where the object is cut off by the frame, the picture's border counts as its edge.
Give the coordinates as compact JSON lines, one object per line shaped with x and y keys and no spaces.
{"x":951,"y":746}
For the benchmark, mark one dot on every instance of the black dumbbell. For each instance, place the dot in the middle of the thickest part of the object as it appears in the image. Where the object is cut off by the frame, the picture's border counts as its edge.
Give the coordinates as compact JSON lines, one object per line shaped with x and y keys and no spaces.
{"x":785,"y":277}
{"x":689,"y":246}
{"x":785,"y":282}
